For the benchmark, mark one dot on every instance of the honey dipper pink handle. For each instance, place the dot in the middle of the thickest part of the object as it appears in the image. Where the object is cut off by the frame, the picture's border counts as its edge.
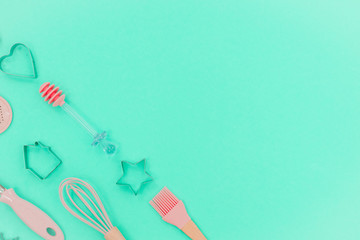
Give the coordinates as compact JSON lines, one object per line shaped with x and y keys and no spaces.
{"x":32,"y":216}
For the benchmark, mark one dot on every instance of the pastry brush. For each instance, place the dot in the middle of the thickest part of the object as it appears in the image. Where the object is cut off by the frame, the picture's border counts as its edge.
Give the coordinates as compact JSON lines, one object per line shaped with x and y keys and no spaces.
{"x":172,"y":210}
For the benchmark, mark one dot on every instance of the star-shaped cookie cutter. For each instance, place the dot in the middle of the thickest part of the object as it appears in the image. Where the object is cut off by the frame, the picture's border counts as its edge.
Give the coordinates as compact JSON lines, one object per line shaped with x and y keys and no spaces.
{"x":135,"y":191}
{"x":26,"y":159}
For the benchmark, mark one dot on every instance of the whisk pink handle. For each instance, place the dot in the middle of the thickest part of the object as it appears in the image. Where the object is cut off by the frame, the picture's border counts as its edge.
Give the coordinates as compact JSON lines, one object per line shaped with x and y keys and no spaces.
{"x":32,"y":216}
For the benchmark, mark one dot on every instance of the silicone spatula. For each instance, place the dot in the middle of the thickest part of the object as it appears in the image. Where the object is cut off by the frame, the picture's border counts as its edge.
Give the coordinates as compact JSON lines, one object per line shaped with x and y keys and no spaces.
{"x":31,"y":215}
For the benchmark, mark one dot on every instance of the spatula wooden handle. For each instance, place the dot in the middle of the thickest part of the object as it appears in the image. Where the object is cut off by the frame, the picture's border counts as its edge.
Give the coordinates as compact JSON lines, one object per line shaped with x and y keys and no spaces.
{"x":193,"y":231}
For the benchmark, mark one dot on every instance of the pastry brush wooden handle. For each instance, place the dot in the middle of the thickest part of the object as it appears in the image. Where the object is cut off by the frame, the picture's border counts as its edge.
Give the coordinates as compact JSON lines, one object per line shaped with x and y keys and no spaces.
{"x":114,"y":234}
{"x":193,"y":231}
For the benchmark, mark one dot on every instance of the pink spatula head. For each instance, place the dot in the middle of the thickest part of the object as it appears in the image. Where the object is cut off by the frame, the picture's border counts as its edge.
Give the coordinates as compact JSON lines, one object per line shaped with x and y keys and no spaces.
{"x":31,"y":215}
{"x":5,"y":115}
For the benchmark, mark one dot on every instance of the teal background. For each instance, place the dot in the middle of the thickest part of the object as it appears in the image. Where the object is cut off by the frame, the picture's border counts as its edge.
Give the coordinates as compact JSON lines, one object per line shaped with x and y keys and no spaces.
{"x":247,"y":110}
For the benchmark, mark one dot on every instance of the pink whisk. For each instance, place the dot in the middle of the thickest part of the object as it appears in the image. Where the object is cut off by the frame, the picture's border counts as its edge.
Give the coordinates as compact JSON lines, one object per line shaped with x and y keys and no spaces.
{"x":98,"y":219}
{"x":55,"y":97}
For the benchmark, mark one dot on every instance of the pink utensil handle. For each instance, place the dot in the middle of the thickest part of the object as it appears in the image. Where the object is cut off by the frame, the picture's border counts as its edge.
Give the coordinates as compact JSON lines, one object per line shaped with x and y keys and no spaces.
{"x":32,"y":216}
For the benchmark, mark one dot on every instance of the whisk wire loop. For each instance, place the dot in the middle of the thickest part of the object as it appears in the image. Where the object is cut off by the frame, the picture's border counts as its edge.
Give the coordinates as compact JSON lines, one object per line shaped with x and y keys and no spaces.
{"x":107,"y":223}
{"x":68,"y":188}
{"x":96,"y":207}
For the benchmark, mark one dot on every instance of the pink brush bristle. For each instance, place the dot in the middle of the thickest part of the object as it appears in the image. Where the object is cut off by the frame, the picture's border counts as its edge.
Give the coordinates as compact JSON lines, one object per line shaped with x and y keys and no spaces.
{"x":172,"y":210}
{"x":164,"y":201}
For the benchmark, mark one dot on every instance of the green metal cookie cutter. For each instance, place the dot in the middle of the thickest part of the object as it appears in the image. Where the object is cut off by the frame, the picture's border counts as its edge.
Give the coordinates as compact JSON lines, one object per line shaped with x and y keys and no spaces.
{"x":11,"y":53}
{"x":39,"y":146}
{"x":141,"y":164}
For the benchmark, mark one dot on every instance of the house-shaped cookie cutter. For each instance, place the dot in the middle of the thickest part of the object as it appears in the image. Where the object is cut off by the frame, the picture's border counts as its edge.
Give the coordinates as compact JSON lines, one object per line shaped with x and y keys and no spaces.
{"x":27,"y":150}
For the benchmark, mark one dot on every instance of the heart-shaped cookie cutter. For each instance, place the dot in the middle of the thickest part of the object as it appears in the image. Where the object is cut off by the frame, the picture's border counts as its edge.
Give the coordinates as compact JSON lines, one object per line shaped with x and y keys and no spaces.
{"x":12,"y":49}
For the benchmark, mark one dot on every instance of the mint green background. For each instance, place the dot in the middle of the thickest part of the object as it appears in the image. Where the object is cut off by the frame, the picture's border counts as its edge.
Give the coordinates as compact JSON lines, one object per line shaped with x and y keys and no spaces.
{"x":247,"y":110}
